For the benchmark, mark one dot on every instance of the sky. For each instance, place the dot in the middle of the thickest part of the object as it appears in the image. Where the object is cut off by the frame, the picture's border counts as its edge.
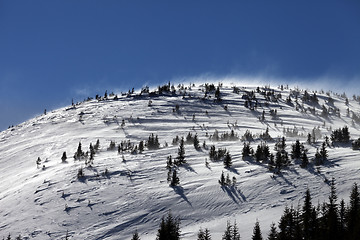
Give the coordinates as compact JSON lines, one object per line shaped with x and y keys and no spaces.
{"x":54,"y":51}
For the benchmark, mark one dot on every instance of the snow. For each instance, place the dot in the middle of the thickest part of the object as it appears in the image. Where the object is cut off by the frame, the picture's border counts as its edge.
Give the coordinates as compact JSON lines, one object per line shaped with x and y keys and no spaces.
{"x":45,"y":203}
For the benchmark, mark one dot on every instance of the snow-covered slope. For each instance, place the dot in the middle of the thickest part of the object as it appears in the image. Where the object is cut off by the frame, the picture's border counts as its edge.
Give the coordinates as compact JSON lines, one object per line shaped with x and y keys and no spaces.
{"x":48,"y":201}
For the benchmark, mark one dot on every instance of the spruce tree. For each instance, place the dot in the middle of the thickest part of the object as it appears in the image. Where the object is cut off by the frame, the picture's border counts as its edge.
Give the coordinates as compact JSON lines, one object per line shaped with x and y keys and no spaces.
{"x":64,"y":157}
{"x":353,"y":214}
{"x":196,"y":142}
{"x":141,"y":146}
{"x":97,"y":145}
{"x":257,"y":232}
{"x":304,"y":160}
{"x":227,"y":160}
{"x":306,"y":217}
{"x":235,"y":232}
{"x":169,"y":228}
{"x":222,"y":179}
{"x":135,"y":236}
{"x":228,"y":232}
{"x":181,"y":152}
{"x":296,"y":150}
{"x":246,"y":152}
{"x":331,"y":216}
{"x":204,"y":235}
{"x":273,"y":234}
{"x":175,"y":179}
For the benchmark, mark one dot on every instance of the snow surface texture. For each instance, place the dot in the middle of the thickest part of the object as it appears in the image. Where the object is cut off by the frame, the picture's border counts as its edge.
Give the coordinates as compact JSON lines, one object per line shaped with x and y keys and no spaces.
{"x":46,"y":202}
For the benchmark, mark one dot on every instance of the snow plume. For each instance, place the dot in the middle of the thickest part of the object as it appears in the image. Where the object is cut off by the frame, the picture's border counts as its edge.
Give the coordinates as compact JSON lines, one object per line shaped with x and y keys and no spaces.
{"x":335,"y":84}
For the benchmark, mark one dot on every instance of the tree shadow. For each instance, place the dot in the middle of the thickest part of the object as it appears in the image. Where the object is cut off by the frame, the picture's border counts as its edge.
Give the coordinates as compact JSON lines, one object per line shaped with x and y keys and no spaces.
{"x":180,"y":191}
{"x":188,"y":168}
{"x":234,"y":194}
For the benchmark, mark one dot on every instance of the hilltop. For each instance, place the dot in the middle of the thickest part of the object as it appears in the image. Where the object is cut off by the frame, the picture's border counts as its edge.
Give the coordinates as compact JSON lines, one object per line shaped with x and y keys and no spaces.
{"x":125,"y":187}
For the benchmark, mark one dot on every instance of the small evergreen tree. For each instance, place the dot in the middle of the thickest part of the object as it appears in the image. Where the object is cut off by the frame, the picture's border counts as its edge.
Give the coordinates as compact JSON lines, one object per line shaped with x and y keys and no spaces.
{"x":304,"y":160}
{"x":235,"y":232}
{"x":169,"y":228}
{"x":175,"y":179}
{"x":64,"y":157}
{"x":135,"y":236}
{"x":38,"y":162}
{"x":353,"y":214}
{"x":97,"y":145}
{"x":181,"y":153}
{"x":141,"y":146}
{"x":222,"y":180}
{"x":227,"y":160}
{"x":257,"y":232}
{"x":246,"y":152}
{"x":196,"y":142}
{"x":79,"y":153}
{"x":228,"y":232}
{"x":273,"y":234}
{"x":204,"y":235}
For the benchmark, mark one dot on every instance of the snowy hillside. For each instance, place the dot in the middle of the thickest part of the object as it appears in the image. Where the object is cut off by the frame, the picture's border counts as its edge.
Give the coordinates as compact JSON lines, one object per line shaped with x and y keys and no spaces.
{"x":128,"y":191}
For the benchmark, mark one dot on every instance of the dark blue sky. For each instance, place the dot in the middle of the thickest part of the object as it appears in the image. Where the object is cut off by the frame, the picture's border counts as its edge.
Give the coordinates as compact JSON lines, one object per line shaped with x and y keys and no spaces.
{"x":53,"y":51}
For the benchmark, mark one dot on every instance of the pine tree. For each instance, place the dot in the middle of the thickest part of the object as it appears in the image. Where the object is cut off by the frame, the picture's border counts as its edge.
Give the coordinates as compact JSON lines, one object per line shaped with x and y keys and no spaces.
{"x":331,"y":217}
{"x":227,"y":160}
{"x":196,"y":142}
{"x":181,"y":153}
{"x":175,"y":179}
{"x":304,"y":160}
{"x":97,"y":145}
{"x":204,"y":235}
{"x":296,"y":150}
{"x":135,"y":236}
{"x":64,"y":157}
{"x":257,"y":232}
{"x":306,"y":217}
{"x":141,"y":146}
{"x":79,"y":153}
{"x":228,"y":232}
{"x":323,"y":152}
{"x":353,"y":214}
{"x":273,"y":234}
{"x":38,"y":161}
{"x":169,"y":228}
{"x":246,"y":151}
{"x":222,"y":179}
{"x":235,"y":232}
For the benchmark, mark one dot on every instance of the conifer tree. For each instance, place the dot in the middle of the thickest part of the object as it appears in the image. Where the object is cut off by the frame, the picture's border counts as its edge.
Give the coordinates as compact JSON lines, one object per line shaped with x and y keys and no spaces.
{"x":204,"y":235}
{"x":273,"y":232}
{"x":331,"y":217}
{"x":304,"y":160}
{"x":169,"y":228}
{"x":235,"y":232}
{"x":79,"y":153}
{"x":306,"y":217}
{"x":257,"y":232}
{"x":323,"y":152}
{"x":175,"y":179}
{"x":135,"y":236}
{"x":296,"y":150}
{"x":181,"y":153}
{"x":222,"y":180}
{"x":227,"y":160}
{"x":228,"y":232}
{"x":97,"y":145}
{"x":353,"y":214}
{"x":246,"y":152}
{"x":141,"y":146}
{"x":196,"y":142}
{"x":64,"y":157}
